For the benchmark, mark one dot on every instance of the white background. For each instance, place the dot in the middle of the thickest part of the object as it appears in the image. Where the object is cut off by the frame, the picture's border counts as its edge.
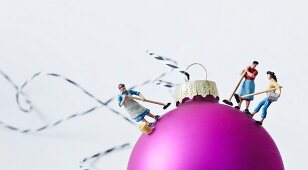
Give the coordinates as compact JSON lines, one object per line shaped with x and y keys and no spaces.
{"x":102,"y":43}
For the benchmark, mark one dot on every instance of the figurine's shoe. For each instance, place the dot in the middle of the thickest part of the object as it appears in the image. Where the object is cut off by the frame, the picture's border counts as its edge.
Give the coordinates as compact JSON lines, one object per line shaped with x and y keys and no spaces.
{"x":259,"y":123}
{"x":237,"y":107}
{"x":248,"y":112}
{"x":151,"y":125}
{"x":145,"y":128}
{"x":237,"y":98}
{"x":157,"y":117}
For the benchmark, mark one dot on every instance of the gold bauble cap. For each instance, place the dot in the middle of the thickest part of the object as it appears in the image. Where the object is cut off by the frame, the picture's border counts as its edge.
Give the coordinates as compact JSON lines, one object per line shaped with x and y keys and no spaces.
{"x":198,"y":90}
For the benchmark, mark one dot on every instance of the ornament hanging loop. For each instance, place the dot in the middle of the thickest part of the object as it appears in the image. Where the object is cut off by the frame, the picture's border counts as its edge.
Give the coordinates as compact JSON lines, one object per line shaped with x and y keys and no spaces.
{"x":187,"y":79}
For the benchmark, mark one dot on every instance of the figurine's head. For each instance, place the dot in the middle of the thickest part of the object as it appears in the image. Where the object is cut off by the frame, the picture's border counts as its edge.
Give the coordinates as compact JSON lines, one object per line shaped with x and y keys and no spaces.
{"x":254,"y":64}
{"x":122,"y":87}
{"x":271,"y":75}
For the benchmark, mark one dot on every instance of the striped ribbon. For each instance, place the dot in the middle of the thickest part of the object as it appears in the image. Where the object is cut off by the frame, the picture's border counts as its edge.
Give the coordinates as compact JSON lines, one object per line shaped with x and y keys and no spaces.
{"x":75,"y":115}
{"x":30,"y":106}
{"x":167,"y":84}
{"x":84,"y":165}
{"x":167,"y":62}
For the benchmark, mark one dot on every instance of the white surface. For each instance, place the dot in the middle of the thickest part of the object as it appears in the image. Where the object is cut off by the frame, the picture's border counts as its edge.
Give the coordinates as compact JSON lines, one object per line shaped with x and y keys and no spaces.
{"x":102,"y":43}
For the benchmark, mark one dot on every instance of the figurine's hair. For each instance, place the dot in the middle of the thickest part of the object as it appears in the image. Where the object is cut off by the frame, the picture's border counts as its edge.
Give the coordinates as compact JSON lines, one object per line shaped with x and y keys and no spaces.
{"x":121,"y":85}
{"x":255,"y":62}
{"x":272,"y":74}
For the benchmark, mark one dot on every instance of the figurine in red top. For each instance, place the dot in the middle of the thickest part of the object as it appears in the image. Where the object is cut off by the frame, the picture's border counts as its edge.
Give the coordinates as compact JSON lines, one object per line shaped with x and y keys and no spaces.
{"x":248,"y":86}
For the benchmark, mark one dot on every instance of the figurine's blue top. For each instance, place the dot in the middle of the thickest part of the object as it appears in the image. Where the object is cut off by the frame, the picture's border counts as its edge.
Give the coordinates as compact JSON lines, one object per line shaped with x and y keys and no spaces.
{"x":128,"y":92}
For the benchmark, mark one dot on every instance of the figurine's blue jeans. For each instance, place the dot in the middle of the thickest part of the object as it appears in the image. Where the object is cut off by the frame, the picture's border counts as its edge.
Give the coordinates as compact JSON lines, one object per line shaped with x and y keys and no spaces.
{"x":265,"y":103}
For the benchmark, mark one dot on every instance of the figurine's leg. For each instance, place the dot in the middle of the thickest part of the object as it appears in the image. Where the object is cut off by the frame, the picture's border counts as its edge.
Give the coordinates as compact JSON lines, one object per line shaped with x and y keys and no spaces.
{"x":151,"y":115}
{"x":264,"y":110}
{"x":266,"y":104}
{"x":156,"y":117}
{"x":143,"y":120}
{"x":247,"y":104}
{"x":257,"y":109}
{"x":244,"y":91}
{"x":148,"y":123}
{"x":237,"y":98}
{"x":239,"y":104}
{"x":249,"y":89}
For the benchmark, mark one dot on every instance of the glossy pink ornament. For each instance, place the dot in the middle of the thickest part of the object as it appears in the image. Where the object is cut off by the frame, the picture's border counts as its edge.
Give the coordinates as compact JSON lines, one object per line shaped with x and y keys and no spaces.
{"x":205,"y":135}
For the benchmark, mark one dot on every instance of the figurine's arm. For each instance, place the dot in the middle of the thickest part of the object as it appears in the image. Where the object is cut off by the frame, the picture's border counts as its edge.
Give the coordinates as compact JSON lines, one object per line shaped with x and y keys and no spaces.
{"x":245,"y":71}
{"x":279,"y":92}
{"x":275,"y":85}
{"x":122,"y":103}
{"x":137,"y":93}
{"x":121,"y":100}
{"x":279,"y":89}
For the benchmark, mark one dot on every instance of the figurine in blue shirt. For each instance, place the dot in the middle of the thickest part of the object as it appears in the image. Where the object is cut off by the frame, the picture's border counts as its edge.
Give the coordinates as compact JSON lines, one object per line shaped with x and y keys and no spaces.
{"x":134,"y":109}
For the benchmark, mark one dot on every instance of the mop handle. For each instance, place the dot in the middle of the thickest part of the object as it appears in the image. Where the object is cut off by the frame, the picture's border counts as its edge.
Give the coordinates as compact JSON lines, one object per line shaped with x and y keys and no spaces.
{"x":146,"y":100}
{"x":238,"y":84}
{"x":261,"y":92}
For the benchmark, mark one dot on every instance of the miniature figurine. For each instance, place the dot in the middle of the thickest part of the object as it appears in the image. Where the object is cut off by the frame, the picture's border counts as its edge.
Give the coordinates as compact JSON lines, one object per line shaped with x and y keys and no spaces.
{"x":248,"y":86}
{"x":135,"y":110}
{"x":271,"y":96}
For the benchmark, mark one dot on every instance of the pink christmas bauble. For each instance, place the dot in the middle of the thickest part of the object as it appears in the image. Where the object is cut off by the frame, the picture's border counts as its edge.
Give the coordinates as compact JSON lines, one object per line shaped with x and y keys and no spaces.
{"x":202,"y":135}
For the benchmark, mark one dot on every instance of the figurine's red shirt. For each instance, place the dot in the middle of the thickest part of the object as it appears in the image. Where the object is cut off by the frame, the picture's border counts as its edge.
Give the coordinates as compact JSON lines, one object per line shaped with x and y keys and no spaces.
{"x":253,"y":71}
